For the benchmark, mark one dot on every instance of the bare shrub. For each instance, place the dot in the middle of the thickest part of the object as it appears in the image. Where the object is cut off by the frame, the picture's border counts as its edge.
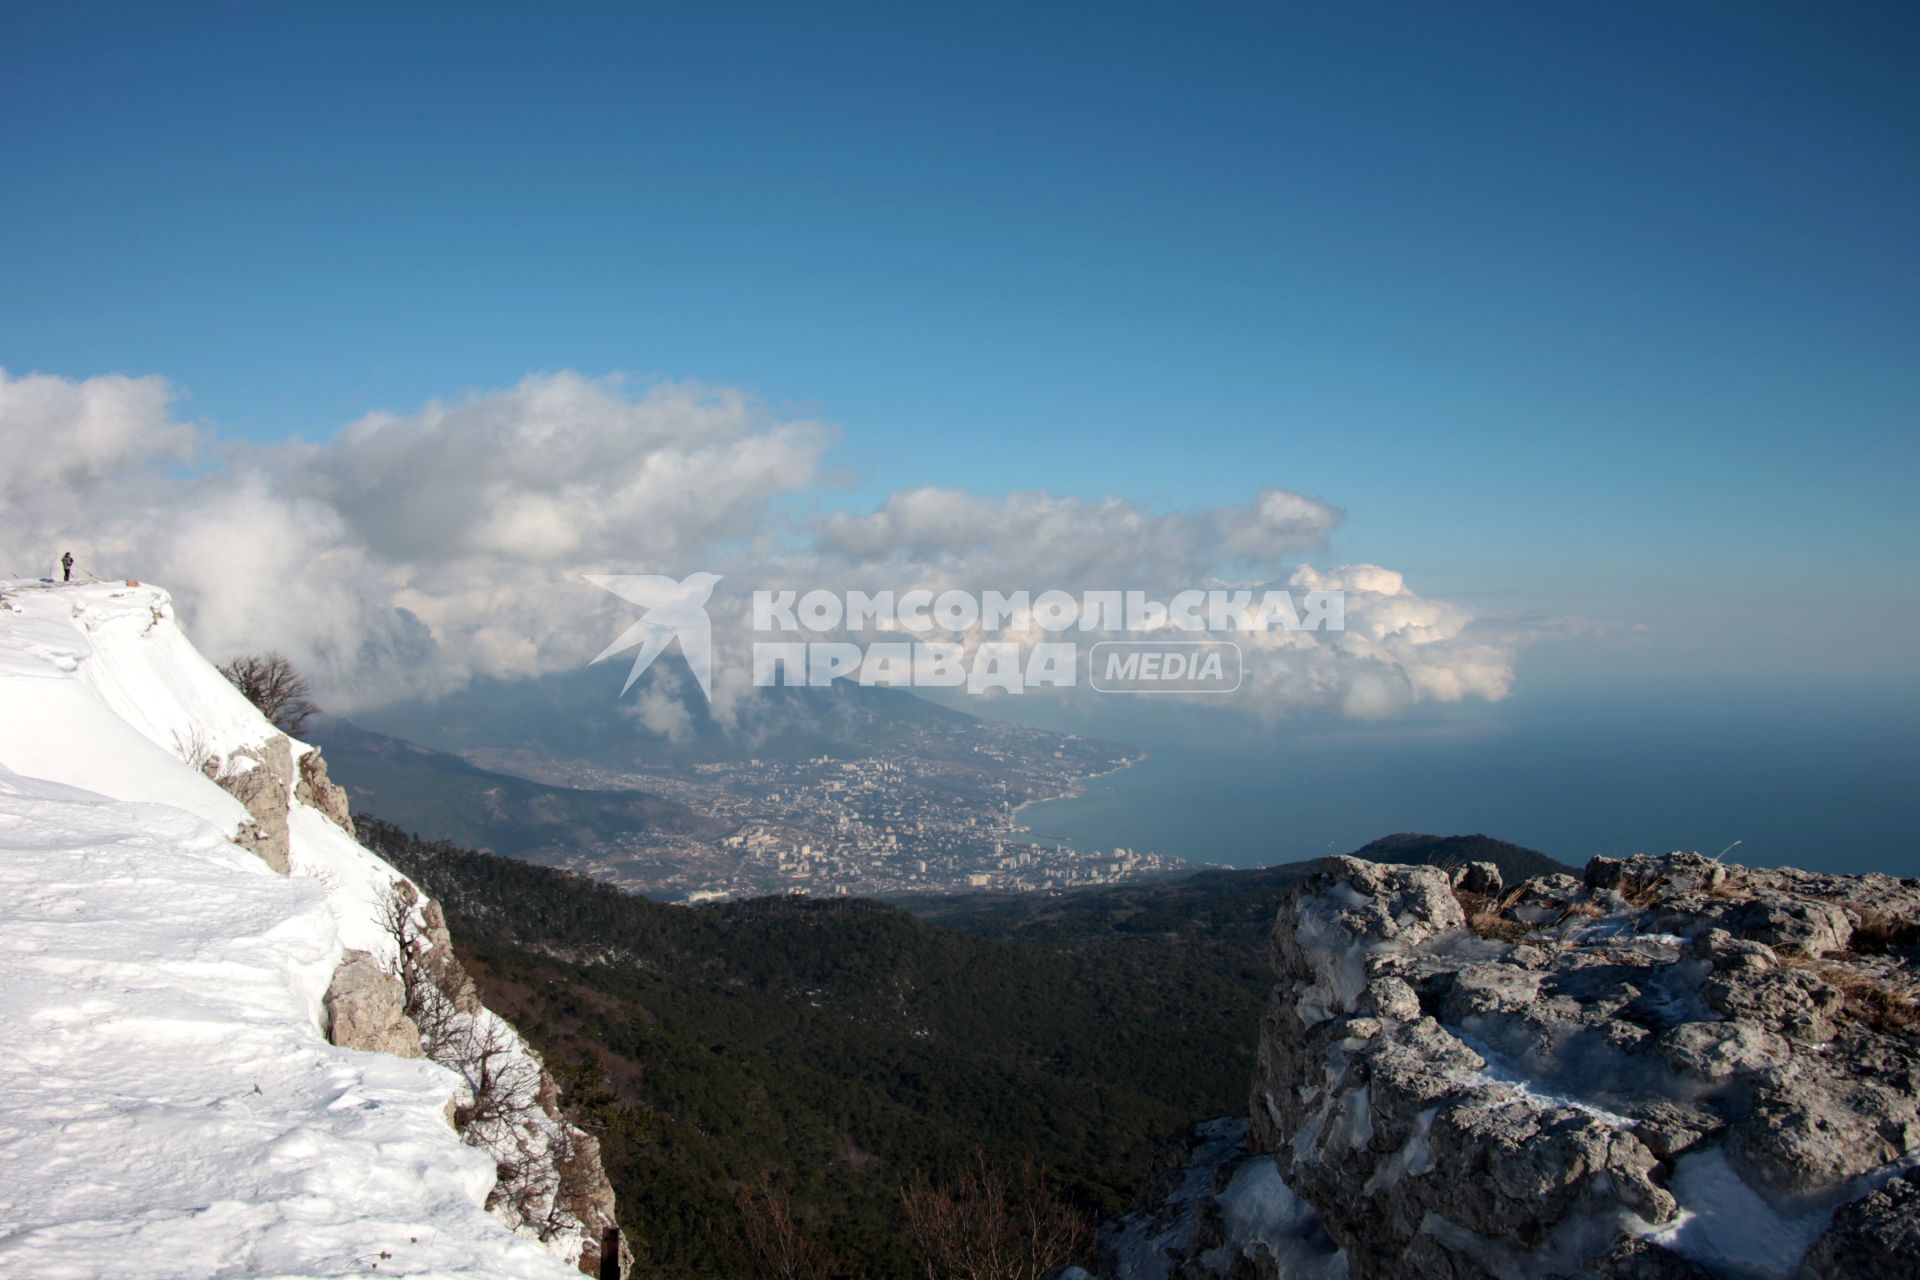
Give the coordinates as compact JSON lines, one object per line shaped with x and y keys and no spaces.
{"x":196,"y":749}
{"x":398,"y":922}
{"x":992,"y":1224}
{"x":435,"y":990}
{"x":273,"y":685}
{"x":501,"y":1101}
{"x":782,"y":1249}
{"x":503,"y":1084}
{"x":577,"y":1179}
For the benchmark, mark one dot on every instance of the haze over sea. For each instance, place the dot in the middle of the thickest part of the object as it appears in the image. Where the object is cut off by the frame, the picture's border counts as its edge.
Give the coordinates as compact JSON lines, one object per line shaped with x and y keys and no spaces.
{"x":1817,"y":783}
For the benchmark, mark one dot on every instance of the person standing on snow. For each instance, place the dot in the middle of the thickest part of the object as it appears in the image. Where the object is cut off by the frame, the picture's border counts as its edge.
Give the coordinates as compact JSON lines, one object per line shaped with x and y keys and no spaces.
{"x":66,"y":565}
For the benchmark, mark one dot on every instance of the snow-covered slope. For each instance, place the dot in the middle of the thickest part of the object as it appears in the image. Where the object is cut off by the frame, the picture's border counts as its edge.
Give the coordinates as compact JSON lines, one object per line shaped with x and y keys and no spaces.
{"x":170,"y":1104}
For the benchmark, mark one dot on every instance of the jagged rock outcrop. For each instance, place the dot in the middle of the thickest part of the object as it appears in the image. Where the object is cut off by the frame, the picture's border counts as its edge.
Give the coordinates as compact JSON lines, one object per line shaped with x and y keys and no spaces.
{"x":261,"y":779}
{"x":366,"y":1008}
{"x":316,"y":790}
{"x":1482,"y":878}
{"x":1669,"y":1068}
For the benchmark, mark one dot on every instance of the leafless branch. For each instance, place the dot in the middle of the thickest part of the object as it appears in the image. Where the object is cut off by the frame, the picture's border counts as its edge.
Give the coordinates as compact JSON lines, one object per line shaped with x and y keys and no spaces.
{"x":992,"y":1224}
{"x":273,"y":685}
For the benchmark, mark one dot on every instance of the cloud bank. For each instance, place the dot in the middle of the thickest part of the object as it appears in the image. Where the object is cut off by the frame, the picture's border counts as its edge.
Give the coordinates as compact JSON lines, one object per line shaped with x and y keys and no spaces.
{"x":413,"y":552}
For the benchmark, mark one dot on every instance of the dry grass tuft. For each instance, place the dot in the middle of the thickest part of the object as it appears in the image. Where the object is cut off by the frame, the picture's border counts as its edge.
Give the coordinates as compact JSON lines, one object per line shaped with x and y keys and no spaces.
{"x":1486,"y":915}
{"x":1583,"y":908}
{"x":1877,"y":933}
{"x":1734,"y":885}
{"x":1645,"y":893}
{"x":1875,"y":1001}
{"x":1871,"y":1001}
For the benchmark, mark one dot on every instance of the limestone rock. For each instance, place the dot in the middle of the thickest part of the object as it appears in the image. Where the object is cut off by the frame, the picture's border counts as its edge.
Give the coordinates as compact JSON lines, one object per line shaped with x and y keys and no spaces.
{"x":1482,"y":878}
{"x":1528,"y":1102}
{"x":261,"y":779}
{"x":1877,"y":1235}
{"x":320,"y":792}
{"x":366,"y":1009}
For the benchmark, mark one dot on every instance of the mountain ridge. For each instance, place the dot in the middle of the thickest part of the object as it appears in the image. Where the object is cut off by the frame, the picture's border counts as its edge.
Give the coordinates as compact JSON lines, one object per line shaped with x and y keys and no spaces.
{"x":243,"y":1037}
{"x":424,"y":788}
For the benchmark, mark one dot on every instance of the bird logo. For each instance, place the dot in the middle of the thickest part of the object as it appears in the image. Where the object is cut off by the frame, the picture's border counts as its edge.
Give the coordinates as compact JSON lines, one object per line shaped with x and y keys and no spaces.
{"x":675,"y":610}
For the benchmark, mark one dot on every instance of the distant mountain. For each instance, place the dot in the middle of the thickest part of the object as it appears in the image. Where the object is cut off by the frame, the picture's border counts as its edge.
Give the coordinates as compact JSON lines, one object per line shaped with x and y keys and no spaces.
{"x":438,"y":793}
{"x":1516,"y":863}
{"x":581,"y":715}
{"x":1224,"y":911}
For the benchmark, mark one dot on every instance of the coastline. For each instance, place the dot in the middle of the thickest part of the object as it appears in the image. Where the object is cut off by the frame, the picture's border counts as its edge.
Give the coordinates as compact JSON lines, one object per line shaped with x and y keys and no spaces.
{"x":1073,"y":792}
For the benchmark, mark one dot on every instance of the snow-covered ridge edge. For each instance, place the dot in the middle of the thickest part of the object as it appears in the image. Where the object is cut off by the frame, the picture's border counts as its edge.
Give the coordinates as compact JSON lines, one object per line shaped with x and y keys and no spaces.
{"x":214,"y":1001}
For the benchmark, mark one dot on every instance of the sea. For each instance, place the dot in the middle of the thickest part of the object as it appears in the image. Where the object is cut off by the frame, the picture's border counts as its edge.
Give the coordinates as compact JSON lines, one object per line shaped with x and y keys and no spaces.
{"x":1821,"y":783}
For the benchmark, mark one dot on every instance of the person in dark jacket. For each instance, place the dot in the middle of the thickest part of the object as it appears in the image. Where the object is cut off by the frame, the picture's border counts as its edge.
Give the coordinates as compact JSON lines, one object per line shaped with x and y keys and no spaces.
{"x":66,"y":565}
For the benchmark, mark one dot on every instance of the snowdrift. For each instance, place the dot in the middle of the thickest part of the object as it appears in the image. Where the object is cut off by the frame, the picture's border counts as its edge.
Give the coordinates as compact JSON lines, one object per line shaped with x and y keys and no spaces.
{"x":170,"y":1101}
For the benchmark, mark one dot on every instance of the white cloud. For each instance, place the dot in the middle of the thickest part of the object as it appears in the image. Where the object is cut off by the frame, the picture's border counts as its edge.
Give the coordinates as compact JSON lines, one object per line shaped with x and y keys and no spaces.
{"x":1071,"y":540}
{"x":1396,"y":649}
{"x":562,"y":470}
{"x":414,"y":551}
{"x":661,"y":705}
{"x":72,"y":432}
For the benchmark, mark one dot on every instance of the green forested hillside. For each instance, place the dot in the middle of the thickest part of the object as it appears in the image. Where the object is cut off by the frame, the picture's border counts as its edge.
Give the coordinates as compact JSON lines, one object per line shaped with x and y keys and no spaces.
{"x":840,"y":1045}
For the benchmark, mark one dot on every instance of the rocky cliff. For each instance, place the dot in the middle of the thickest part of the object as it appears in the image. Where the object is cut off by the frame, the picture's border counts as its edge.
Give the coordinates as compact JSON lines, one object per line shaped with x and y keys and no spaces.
{"x":232,"y":1040}
{"x":1669,"y":1067}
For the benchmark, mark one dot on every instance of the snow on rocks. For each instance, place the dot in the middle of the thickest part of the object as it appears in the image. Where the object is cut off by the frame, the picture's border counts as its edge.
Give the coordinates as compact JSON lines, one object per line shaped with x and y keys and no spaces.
{"x":1673,"y":1067}
{"x":184,"y":916}
{"x":1217,"y":1211}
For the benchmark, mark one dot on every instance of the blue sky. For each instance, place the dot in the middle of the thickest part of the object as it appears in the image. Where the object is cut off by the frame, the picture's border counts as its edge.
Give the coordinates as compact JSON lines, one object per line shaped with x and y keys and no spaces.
{"x":1603,"y":309}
